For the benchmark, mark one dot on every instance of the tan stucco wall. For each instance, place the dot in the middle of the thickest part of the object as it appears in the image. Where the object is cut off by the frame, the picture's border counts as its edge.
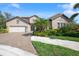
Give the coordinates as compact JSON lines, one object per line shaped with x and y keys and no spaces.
{"x":55,"y":22}
{"x":21,"y":23}
{"x":32,"y":19}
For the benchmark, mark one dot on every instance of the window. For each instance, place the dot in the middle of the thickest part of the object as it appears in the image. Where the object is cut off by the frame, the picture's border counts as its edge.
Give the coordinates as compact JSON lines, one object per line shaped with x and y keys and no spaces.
{"x":50,"y":23}
{"x":61,"y":25}
{"x":33,"y":28}
{"x":64,"y":24}
{"x":17,"y":21}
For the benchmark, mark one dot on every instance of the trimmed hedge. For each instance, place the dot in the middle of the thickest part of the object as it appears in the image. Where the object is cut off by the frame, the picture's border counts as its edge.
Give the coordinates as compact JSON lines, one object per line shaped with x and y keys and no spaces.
{"x":71,"y":33}
{"x":57,"y":33}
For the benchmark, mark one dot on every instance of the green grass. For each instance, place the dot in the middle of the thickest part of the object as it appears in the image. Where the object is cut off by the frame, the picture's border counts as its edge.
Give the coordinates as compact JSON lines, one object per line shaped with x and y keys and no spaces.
{"x":66,"y":38}
{"x":53,"y":50}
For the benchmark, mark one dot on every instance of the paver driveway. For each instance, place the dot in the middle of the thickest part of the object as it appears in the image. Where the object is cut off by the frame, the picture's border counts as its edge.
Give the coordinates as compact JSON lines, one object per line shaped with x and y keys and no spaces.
{"x":18,"y":40}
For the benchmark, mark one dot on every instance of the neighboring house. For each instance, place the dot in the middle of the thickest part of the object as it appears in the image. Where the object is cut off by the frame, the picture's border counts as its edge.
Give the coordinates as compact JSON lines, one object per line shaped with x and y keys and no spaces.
{"x":21,"y":24}
{"x":58,"y":21}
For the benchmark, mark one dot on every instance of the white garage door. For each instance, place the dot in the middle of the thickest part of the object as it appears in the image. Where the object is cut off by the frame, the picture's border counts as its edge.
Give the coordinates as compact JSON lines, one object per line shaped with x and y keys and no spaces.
{"x":17,"y":29}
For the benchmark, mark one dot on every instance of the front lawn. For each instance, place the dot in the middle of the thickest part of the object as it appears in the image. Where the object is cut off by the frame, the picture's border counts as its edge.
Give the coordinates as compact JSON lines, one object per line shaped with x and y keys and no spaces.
{"x":66,"y":38}
{"x":53,"y":50}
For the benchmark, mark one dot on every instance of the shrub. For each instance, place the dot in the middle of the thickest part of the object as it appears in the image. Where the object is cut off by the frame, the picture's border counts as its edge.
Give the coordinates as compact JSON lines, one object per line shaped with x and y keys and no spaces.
{"x":3,"y":31}
{"x":72,"y":34}
{"x":58,"y":32}
{"x":69,"y":30}
{"x":46,"y":33}
{"x":51,"y":32}
{"x":65,"y":29}
{"x":40,"y":34}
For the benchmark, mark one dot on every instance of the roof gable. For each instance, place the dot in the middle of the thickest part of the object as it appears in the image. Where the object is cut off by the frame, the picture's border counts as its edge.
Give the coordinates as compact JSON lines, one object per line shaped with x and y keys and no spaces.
{"x":20,"y":18}
{"x":59,"y":15}
{"x":24,"y":19}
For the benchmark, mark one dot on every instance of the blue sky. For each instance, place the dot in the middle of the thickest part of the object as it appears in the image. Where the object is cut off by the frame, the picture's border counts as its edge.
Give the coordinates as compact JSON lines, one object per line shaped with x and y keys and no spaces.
{"x":44,"y":10}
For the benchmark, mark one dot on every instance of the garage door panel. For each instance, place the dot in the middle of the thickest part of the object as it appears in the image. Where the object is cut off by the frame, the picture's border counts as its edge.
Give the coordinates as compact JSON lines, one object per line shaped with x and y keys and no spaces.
{"x":17,"y":29}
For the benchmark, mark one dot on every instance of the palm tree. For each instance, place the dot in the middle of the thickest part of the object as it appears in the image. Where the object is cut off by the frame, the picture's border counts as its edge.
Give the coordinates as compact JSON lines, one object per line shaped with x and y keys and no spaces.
{"x":41,"y":24}
{"x":76,"y":14}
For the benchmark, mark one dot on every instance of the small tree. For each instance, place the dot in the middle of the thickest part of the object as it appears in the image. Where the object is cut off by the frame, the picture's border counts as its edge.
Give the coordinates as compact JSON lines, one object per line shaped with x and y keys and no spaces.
{"x":41,"y":24}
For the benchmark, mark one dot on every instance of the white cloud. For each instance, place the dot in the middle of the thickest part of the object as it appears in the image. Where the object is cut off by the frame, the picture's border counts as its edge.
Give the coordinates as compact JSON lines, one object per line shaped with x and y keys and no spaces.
{"x":70,"y":12}
{"x":68,"y":6}
{"x":68,"y":9}
{"x":15,"y":5}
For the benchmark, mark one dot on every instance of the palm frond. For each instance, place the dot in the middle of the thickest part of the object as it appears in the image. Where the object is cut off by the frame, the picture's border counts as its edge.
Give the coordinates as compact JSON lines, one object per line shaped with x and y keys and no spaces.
{"x":73,"y":16}
{"x":76,"y":6}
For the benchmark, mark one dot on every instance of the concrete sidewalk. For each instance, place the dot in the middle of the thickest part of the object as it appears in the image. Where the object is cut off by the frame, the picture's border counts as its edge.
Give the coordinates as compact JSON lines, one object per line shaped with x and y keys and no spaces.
{"x":65,"y":43}
{"x":6,"y":50}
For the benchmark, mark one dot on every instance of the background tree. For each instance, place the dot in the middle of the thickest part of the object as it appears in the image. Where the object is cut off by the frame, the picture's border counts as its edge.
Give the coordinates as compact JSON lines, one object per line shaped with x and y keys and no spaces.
{"x":2,"y":21}
{"x":7,"y":15}
{"x":3,"y":17}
